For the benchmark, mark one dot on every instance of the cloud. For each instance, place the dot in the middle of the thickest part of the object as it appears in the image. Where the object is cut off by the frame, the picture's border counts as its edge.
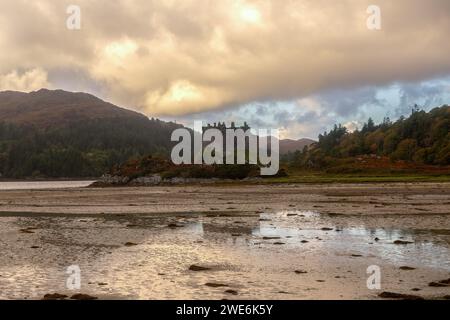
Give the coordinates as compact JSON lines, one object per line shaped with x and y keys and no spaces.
{"x":26,"y":81}
{"x":426,"y":95}
{"x":177,"y":57}
{"x":314,"y":114}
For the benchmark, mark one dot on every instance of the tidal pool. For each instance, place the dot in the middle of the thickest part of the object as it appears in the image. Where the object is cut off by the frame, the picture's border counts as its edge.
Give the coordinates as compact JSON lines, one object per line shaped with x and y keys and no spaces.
{"x":283,"y":255}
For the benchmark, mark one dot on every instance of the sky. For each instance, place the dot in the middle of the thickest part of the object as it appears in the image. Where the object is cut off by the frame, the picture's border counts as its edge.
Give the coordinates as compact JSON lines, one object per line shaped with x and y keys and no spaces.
{"x":296,"y":65}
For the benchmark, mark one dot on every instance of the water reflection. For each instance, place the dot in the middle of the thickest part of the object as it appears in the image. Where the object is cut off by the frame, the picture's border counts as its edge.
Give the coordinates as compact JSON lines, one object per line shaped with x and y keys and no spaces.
{"x":257,"y":253}
{"x":35,"y":185}
{"x":300,"y":230}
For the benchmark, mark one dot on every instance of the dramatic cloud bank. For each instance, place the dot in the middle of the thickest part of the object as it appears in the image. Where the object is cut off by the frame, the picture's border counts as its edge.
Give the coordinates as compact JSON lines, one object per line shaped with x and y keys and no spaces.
{"x":179,"y":57}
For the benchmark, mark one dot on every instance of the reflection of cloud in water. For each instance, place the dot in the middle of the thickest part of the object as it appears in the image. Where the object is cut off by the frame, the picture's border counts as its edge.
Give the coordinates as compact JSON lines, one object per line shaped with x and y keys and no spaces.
{"x":426,"y":248}
{"x":232,"y":245}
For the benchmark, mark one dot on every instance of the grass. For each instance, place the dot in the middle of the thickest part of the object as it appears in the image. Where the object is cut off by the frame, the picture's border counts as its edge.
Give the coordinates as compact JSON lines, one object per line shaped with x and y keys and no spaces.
{"x":308,"y":177}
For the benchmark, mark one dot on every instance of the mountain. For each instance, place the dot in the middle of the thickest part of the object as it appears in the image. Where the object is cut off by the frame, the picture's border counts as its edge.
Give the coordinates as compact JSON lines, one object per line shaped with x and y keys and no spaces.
{"x":288,"y":145}
{"x":55,"y":133}
{"x":50,"y":108}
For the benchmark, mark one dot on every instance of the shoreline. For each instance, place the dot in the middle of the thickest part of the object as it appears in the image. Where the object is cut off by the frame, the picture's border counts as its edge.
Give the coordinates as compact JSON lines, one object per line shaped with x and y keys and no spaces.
{"x":306,"y":178}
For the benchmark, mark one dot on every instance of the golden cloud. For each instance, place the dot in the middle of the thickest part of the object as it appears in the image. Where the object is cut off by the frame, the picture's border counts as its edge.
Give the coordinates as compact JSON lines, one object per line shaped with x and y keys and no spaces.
{"x":174,"y":57}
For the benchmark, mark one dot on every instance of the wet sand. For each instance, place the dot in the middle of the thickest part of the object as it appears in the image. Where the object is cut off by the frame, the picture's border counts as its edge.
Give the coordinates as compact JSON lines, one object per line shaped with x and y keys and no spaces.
{"x":257,"y":241}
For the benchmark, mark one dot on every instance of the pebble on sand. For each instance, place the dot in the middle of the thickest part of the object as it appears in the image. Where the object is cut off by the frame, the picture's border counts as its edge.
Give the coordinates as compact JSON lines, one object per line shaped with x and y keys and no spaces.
{"x":81,"y":296}
{"x":198,"y":268}
{"x":442,"y":283}
{"x":174,"y":225}
{"x":233,"y":292}
{"x":27,"y":230}
{"x":402,"y":242}
{"x":55,"y":296}
{"x":215,"y":285}
{"x":393,"y":295}
{"x":406,"y":268}
{"x":271,"y":238}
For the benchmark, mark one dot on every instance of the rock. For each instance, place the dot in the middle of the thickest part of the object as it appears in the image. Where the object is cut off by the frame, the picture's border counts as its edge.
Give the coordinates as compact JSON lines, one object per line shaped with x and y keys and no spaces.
{"x":107,"y":180}
{"x":147,"y":181}
{"x":54,"y":296}
{"x":406,"y":268}
{"x":215,"y":285}
{"x":174,"y":225}
{"x":271,"y":238}
{"x":377,"y":239}
{"x":233,"y":292}
{"x":81,"y":296}
{"x":130,"y":244}
{"x":437,"y":284}
{"x":27,"y":230}
{"x":304,"y":241}
{"x":402,"y":242}
{"x":393,"y":295}
{"x":442,"y":283}
{"x":198,"y":268}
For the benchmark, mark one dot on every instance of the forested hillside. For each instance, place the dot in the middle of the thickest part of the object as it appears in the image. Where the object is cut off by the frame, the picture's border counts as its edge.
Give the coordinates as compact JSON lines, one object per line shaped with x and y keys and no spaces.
{"x":422,"y":139}
{"x":63,"y":134}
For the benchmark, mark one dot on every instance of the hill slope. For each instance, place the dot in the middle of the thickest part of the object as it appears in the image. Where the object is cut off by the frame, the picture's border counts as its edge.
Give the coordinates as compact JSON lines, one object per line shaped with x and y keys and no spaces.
{"x":415,"y":143}
{"x":50,"y":108}
{"x":63,"y":134}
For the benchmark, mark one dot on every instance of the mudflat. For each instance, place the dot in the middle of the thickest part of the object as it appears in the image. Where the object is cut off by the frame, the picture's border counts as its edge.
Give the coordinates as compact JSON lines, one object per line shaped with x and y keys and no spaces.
{"x":299,"y":241}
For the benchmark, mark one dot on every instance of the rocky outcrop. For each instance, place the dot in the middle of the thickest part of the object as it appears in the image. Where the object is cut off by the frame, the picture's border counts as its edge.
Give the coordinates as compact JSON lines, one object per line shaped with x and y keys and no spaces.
{"x":144,"y":181}
{"x":156,"y":179}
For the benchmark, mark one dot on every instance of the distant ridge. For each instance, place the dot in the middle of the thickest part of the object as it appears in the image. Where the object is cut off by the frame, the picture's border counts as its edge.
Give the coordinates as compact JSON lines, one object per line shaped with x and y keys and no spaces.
{"x":289,"y":145}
